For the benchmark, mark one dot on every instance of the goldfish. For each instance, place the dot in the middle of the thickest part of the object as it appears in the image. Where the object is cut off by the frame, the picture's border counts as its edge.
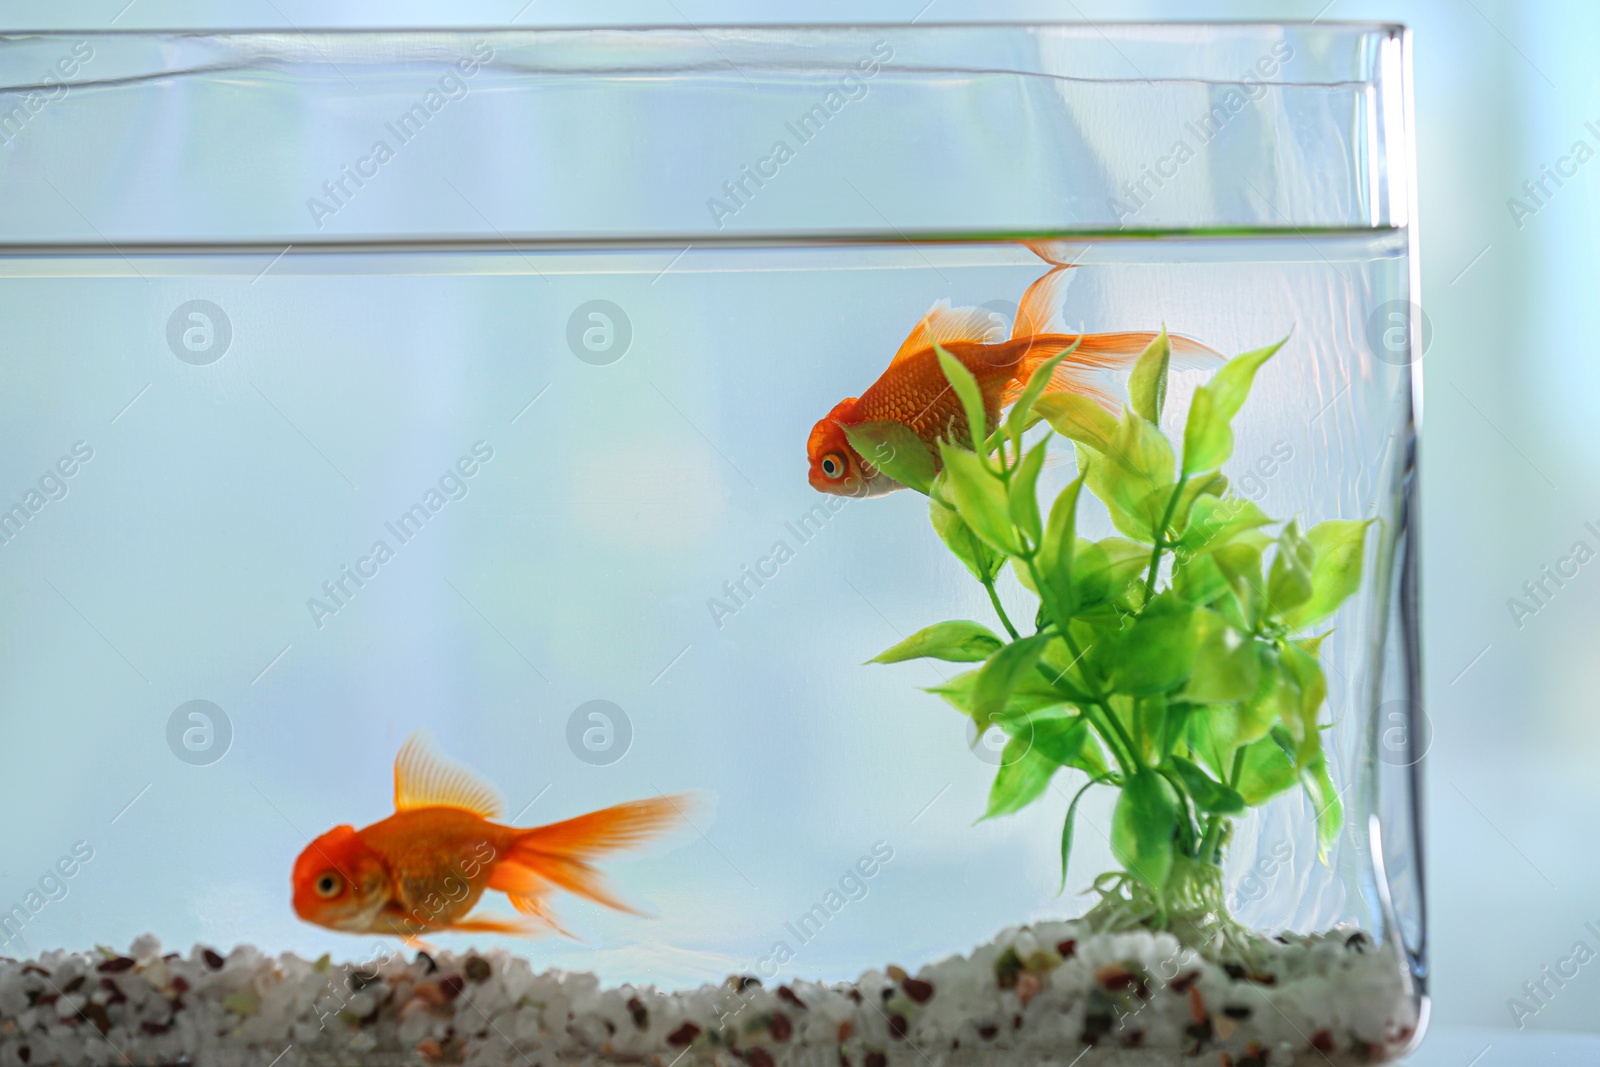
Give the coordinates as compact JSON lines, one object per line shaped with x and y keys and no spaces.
{"x":424,"y":868}
{"x":914,"y":391}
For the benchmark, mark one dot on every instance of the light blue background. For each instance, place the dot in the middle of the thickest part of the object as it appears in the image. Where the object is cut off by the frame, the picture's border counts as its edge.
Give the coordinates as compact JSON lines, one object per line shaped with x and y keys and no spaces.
{"x":1511,"y":442}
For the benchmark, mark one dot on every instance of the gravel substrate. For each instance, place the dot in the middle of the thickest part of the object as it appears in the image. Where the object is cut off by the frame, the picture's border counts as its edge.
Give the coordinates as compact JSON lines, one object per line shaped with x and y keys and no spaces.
{"x":1034,"y":995}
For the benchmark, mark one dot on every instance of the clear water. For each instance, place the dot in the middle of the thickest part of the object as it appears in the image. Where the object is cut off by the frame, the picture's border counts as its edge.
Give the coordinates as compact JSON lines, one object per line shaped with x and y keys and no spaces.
{"x":612,"y":503}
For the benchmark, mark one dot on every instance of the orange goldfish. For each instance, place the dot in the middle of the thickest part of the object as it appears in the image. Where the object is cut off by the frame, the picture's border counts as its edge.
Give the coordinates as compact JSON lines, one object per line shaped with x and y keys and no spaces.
{"x":425,"y":867}
{"x":914,"y":390}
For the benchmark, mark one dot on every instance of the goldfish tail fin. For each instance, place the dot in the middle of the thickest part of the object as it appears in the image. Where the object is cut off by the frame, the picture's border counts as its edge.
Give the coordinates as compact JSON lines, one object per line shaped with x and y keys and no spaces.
{"x":1040,"y":310}
{"x":559,"y":856}
{"x":1057,"y":253}
{"x":1095,"y":352}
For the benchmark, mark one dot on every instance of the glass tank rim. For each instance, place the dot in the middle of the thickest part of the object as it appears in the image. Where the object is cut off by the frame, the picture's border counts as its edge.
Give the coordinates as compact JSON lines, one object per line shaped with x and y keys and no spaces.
{"x":512,"y":243}
{"x":1318,"y":25}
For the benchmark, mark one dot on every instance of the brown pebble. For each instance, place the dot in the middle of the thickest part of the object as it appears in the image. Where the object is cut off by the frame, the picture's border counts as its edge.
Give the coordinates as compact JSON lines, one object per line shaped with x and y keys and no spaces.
{"x":476,"y":969}
{"x":780,"y":1027}
{"x":1322,"y":1041}
{"x":917,"y":989}
{"x":758,"y":1057}
{"x":846,"y":1028}
{"x":877,"y":1059}
{"x":213,"y":960}
{"x":855,"y":995}
{"x":74,"y":985}
{"x":451,"y":987}
{"x":25,"y":1054}
{"x":1182,"y":983}
{"x":96,"y":1014}
{"x":1028,"y":986}
{"x":1068,"y":948}
{"x":987,"y":1031}
{"x":428,"y":993}
{"x":1197,"y":1005}
{"x":895,"y":972}
{"x":180,"y":984}
{"x":785,"y":993}
{"x":1134,"y":1039}
{"x":683,"y":1036}
{"x":1016,"y":1022}
{"x":898,"y":1026}
{"x":1114,"y":976}
{"x":116,"y":966}
{"x":154,"y":1029}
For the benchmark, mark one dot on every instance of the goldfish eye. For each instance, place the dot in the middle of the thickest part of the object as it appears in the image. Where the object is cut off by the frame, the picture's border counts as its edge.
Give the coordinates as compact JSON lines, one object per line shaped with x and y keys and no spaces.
{"x":329,"y":885}
{"x":833,"y":465}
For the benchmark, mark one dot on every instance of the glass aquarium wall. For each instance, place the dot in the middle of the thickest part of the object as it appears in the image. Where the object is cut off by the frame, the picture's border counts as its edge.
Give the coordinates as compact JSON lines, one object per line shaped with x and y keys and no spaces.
{"x":360,"y":387}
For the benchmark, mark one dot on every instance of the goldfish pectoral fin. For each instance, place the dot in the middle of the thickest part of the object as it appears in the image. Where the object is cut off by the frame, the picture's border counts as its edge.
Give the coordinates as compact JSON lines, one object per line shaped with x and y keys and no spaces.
{"x":944,"y":324}
{"x":493,"y":926}
{"x":539,"y":908}
{"x":423,"y":779}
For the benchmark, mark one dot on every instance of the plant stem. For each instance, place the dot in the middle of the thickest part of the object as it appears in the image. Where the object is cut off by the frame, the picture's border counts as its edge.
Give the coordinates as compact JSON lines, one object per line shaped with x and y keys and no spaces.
{"x":994,"y":598}
{"x":1211,"y":847}
{"x":1161,"y":539}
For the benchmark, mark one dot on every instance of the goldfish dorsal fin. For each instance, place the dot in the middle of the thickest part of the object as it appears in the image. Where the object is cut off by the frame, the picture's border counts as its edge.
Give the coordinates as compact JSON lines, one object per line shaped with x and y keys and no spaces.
{"x":424,"y":779}
{"x":943,"y":324}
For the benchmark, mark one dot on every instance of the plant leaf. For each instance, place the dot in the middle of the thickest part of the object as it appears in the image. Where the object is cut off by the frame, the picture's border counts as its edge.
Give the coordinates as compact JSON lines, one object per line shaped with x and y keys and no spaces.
{"x":1023,"y":503}
{"x":1226,"y":666}
{"x":1330,"y":810}
{"x":1147,"y":384}
{"x":1102,"y":571}
{"x":1208,"y":794}
{"x":997,"y":678}
{"x":1079,"y":419}
{"x":1157,"y":653}
{"x":1071,"y":743}
{"x":1231,"y":385}
{"x":1136,"y":475}
{"x":1142,"y":827}
{"x":959,"y":641}
{"x":1022,"y":415}
{"x":1266,"y":772}
{"x":1338,"y":546}
{"x":1198,"y":579}
{"x":966,"y":387}
{"x":895,"y":449}
{"x":1207,"y":437}
{"x":1057,"y":547}
{"x":1311,"y":687}
{"x":1289,"y":580}
{"x":1216,"y":521}
{"x":980,"y":497}
{"x":1066,"y":832}
{"x":1023,"y":777}
{"x":968,"y":547}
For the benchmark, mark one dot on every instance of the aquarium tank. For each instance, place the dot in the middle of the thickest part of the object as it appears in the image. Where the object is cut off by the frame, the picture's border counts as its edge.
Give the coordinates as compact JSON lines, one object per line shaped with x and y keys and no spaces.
{"x":860,"y":546}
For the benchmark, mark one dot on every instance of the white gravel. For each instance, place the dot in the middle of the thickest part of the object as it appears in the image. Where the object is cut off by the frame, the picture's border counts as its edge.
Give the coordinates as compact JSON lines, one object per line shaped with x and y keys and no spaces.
{"x":1139,"y":998}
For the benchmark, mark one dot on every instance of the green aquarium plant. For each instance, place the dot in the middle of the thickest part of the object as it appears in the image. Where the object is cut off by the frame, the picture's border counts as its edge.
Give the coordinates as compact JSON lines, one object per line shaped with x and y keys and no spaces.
{"x":1177,"y":663}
